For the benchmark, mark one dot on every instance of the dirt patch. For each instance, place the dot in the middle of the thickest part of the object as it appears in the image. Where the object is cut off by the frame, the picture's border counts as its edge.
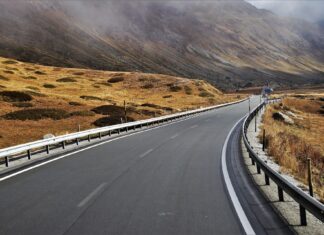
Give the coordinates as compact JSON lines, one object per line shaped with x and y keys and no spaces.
{"x":15,"y":96}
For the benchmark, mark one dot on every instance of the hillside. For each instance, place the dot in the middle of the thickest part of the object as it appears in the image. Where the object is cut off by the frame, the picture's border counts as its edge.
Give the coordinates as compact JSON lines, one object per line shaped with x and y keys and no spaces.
{"x":36,"y":100}
{"x":231,"y":44}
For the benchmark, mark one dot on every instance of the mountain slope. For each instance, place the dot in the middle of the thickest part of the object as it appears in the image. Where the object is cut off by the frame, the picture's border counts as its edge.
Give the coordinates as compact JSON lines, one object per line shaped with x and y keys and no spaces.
{"x":231,"y":44}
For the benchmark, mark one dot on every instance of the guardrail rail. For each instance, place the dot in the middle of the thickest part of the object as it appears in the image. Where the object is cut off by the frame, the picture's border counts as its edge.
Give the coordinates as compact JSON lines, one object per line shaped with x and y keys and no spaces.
{"x":305,"y":201}
{"x":26,"y":150}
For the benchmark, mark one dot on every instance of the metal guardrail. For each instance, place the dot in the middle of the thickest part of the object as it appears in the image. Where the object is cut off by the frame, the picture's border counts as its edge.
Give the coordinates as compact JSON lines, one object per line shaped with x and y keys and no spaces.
{"x":305,"y":201}
{"x":45,"y":144}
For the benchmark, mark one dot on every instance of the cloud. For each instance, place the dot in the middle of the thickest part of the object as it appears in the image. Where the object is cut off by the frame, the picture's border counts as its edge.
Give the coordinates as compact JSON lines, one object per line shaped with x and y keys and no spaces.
{"x":311,"y":10}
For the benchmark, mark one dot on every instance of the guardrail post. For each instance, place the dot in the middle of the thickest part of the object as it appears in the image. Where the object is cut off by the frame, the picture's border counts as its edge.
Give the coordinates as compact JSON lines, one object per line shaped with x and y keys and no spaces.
{"x":29,"y":154}
{"x":109,"y":133}
{"x":89,"y":138}
{"x":302,"y":212}
{"x":47,"y":149}
{"x":126,"y":129}
{"x":266,"y":178}
{"x":280,"y":194}
{"x":63,"y":144}
{"x":258,"y":169}
{"x":252,"y":160}
{"x":77,"y":141}
{"x":263,"y":140}
{"x":310,"y":184}
{"x":7,"y":161}
{"x":118,"y":131}
{"x":99,"y":135}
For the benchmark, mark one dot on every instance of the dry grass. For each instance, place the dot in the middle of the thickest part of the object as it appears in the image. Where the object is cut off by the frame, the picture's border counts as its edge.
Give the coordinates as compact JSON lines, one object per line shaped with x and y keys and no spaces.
{"x":291,"y":144}
{"x":90,"y":89}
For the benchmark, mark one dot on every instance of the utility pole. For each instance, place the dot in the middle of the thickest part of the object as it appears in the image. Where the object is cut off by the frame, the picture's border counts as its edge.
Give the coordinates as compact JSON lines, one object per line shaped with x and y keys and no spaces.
{"x":125,"y":110}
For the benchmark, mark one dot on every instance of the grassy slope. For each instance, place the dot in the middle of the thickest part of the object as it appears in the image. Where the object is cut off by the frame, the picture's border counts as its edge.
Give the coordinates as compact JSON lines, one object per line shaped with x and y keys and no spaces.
{"x":291,"y":145}
{"x":170,"y":94}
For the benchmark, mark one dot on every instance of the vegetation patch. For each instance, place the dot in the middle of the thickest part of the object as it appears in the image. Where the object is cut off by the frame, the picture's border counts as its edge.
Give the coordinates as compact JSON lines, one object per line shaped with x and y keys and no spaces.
{"x":10,"y":62}
{"x":67,"y":79}
{"x":167,"y":96}
{"x":83,"y":113}
{"x":78,"y":73}
{"x":112,"y":120}
{"x":8,"y":71}
{"x":188,"y":90}
{"x":73,"y":103}
{"x":37,"y":114}
{"x":116,"y":79}
{"x":205,"y":94}
{"x":23,"y":105}
{"x":112,"y":110}
{"x":148,"y":86}
{"x":29,"y":69}
{"x":30,"y":78}
{"x":34,"y":93}
{"x":89,"y":97}
{"x":15,"y":96}
{"x":3,"y":78}
{"x":175,"y":88}
{"x":49,"y":86}
{"x":38,"y":72}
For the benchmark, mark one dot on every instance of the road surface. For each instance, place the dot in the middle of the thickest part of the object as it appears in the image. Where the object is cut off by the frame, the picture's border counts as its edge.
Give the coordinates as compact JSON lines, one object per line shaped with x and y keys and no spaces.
{"x":167,"y":180}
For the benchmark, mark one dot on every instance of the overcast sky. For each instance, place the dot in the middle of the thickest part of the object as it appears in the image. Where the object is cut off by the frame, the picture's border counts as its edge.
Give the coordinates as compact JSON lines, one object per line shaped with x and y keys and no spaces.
{"x":311,"y":10}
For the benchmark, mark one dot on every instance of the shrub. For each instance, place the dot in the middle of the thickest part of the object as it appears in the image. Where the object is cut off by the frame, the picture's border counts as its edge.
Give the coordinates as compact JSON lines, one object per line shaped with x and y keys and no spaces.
{"x":67,"y":79}
{"x":73,"y":103}
{"x":89,"y":97}
{"x":3,"y":78}
{"x":40,"y":72}
{"x":8,"y":71}
{"x":167,"y":96}
{"x":29,"y":69}
{"x":205,"y":94}
{"x":113,"y":110}
{"x":10,"y":62}
{"x":321,"y":99}
{"x":78,"y":73}
{"x":188,"y":90}
{"x":116,"y":79}
{"x":30,"y":78}
{"x":83,"y":113}
{"x":175,"y":88}
{"x":37,"y":114}
{"x":15,"y":96}
{"x":148,"y":86}
{"x":277,"y":116}
{"x":113,"y":120}
{"x":23,"y":105}
{"x":50,"y":86}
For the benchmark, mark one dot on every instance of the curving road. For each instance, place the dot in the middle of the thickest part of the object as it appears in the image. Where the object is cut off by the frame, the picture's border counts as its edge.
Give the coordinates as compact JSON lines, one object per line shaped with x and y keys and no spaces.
{"x":166,"y":180}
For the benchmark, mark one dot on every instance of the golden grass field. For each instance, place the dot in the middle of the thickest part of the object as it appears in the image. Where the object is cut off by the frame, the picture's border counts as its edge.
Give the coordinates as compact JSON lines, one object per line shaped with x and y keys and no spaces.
{"x":291,"y":144}
{"x":74,"y":93}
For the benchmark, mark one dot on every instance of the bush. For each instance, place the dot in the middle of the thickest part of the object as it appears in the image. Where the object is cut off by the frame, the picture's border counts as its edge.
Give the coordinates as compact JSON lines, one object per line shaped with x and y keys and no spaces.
{"x":10,"y":62}
{"x":113,"y":110}
{"x":148,"y":86}
{"x":113,"y":120}
{"x":188,"y":90}
{"x":175,"y":88}
{"x":37,"y":114}
{"x":15,"y":96}
{"x":23,"y":105}
{"x":8,"y":72}
{"x":73,"y":103}
{"x":321,"y":99}
{"x":78,"y":73}
{"x":40,"y":72}
{"x":278,"y":117}
{"x":205,"y":94}
{"x":83,"y":113}
{"x":30,"y":78}
{"x":116,"y":79}
{"x":89,"y":97}
{"x":67,"y":79}
{"x":167,"y":96}
{"x":3,"y":78}
{"x":29,"y":69}
{"x":50,"y":86}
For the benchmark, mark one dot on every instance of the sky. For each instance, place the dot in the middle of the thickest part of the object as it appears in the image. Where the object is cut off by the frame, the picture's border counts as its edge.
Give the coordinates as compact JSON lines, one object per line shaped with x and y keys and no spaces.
{"x":311,"y":10}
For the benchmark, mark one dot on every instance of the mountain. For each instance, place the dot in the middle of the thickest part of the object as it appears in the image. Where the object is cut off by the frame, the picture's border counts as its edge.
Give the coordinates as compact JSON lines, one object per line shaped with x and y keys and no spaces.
{"x":229,"y":43}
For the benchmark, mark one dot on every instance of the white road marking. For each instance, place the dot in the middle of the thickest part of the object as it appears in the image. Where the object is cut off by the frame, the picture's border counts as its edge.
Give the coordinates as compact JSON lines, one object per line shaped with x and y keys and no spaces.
{"x":87,"y":148}
{"x":237,"y":205}
{"x":146,"y":153}
{"x":174,"y":136}
{"x":92,"y":194}
{"x":194,"y":126}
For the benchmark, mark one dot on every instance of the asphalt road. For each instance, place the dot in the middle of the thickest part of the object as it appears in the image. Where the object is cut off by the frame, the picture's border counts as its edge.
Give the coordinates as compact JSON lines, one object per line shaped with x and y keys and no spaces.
{"x":166,"y":180}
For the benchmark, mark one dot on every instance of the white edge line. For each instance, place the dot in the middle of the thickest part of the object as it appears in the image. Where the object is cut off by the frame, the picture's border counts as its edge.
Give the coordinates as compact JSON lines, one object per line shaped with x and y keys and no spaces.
{"x":147,"y":152}
{"x":86,"y":148}
{"x":236,"y":203}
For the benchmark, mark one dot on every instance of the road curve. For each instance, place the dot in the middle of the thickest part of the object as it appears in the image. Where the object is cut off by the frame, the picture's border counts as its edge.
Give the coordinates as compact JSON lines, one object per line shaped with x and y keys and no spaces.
{"x":166,"y":180}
